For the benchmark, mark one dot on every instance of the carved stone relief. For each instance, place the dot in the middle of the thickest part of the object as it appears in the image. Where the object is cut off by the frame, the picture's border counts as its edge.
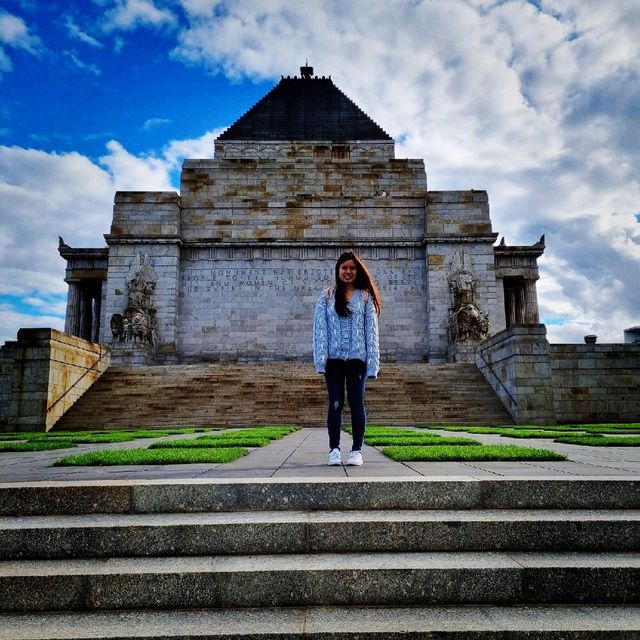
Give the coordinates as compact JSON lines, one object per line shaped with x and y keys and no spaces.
{"x":466,"y":321}
{"x":138,"y":323}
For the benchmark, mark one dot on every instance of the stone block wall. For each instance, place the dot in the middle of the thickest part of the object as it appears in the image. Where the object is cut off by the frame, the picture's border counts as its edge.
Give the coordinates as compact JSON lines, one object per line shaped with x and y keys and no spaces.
{"x":540,"y":383}
{"x":297,"y":200}
{"x":256,"y":303}
{"x":517,"y":364}
{"x":47,"y":371}
{"x":596,"y":383}
{"x":143,"y":214}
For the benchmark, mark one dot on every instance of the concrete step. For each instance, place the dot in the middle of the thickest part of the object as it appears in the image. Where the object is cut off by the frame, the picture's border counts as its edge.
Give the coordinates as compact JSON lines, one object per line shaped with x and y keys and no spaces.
{"x":337,"y":623}
{"x":339,"y":494}
{"x":100,"y":536}
{"x":329,"y":579}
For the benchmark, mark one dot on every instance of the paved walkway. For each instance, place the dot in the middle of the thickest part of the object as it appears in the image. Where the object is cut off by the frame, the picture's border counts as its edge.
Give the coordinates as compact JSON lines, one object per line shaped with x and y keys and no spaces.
{"x":304,"y":454}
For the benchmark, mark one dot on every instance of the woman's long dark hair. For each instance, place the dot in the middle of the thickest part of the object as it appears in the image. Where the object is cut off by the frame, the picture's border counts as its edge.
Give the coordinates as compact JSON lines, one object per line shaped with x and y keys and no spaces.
{"x":363,"y":281}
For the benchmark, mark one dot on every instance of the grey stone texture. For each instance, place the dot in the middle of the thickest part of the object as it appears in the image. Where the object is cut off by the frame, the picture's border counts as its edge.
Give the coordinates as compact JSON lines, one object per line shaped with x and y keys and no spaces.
{"x":470,"y":622}
{"x":43,"y":373}
{"x":540,"y":383}
{"x":319,"y":579}
{"x":335,"y":493}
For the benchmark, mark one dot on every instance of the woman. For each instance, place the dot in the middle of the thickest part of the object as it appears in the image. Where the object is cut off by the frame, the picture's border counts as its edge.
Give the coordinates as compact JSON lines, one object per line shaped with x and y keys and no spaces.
{"x":345,"y":348}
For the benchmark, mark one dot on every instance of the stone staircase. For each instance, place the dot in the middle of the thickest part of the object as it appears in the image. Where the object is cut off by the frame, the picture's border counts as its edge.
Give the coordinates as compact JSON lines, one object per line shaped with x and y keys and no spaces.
{"x":248,"y":394}
{"x":368,"y":558}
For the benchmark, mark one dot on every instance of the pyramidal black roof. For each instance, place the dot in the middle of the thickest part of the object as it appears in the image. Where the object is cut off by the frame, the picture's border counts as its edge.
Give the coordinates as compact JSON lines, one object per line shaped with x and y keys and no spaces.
{"x":305,"y":108}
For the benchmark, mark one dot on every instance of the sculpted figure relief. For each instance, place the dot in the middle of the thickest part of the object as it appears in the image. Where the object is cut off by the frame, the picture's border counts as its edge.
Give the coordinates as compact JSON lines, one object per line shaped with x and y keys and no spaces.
{"x":138,"y":322}
{"x":466,"y":322}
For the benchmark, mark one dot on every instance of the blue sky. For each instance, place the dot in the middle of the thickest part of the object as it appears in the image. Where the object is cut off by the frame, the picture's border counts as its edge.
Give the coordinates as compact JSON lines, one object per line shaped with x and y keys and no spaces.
{"x":537,"y":102}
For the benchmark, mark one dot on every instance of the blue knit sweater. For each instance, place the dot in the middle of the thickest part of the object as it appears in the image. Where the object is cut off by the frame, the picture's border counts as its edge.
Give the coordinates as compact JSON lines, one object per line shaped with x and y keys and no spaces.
{"x":355,"y":336}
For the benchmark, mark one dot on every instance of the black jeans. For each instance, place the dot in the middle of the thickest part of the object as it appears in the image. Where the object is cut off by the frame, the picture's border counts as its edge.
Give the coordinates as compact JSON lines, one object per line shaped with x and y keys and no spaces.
{"x":354,"y":374}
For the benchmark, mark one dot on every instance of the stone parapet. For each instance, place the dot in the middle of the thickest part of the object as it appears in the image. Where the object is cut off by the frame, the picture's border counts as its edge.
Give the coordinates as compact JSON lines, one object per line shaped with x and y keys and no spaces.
{"x":596,"y":383}
{"x":517,"y":364}
{"x":43,"y":374}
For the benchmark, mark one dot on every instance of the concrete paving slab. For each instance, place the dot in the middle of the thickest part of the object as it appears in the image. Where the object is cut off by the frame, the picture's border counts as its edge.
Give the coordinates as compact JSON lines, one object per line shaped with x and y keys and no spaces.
{"x":304,"y":454}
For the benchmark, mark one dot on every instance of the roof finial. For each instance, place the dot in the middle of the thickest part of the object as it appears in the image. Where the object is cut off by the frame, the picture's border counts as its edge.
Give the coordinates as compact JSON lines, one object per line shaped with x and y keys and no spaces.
{"x":306,"y":72}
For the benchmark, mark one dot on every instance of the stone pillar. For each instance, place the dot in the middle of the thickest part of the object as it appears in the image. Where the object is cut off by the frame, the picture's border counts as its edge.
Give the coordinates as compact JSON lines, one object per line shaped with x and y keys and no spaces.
{"x":95,"y":324}
{"x":520,"y":306}
{"x":85,"y":314}
{"x":531,"y":315}
{"x":72,"y":319}
{"x":511,"y":307}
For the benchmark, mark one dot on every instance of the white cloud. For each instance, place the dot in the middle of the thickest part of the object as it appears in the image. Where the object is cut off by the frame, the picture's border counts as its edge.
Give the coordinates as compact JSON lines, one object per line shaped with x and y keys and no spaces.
{"x":154,"y":122}
{"x":75,"y":32}
{"x":130,"y":14}
{"x":14,"y":34}
{"x":12,"y":320}
{"x":84,"y":66}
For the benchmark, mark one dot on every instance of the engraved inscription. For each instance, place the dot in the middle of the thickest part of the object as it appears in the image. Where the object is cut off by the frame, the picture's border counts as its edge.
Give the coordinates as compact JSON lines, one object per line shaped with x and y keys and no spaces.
{"x":287,"y":280}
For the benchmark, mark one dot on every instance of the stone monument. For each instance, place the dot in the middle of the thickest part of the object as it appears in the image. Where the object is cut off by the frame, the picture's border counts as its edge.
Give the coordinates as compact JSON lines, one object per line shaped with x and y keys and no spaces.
{"x":230,"y":268}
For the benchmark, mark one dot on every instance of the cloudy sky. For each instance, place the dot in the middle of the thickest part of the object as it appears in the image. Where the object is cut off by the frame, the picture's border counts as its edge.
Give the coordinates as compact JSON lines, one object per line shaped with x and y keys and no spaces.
{"x":537,"y":102}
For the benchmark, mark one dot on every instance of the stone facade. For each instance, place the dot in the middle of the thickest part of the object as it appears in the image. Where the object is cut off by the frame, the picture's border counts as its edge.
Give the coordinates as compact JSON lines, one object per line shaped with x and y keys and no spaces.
{"x":241,"y":254}
{"x":540,"y":383}
{"x":43,"y":373}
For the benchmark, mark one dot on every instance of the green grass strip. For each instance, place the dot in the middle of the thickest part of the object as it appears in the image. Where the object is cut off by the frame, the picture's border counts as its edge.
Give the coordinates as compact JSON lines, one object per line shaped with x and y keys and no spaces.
{"x":35,"y":445}
{"x":612,"y":425}
{"x":152,"y":456}
{"x":408,"y":441}
{"x":389,"y":431}
{"x":595,"y":441}
{"x":269,"y":433}
{"x":488,"y":430}
{"x":199,"y":443}
{"x":479,"y":453}
{"x":530,"y":433}
{"x":612,"y":430}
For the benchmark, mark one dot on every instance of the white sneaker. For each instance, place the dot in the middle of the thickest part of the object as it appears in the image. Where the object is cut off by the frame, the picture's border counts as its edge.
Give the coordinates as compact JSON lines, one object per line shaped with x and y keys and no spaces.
{"x":355,"y":459}
{"x":334,"y":458}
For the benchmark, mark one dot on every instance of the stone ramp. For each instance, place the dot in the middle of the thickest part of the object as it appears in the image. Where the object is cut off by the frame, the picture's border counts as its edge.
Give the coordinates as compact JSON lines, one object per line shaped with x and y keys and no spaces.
{"x":348,"y":558}
{"x":249,"y":394}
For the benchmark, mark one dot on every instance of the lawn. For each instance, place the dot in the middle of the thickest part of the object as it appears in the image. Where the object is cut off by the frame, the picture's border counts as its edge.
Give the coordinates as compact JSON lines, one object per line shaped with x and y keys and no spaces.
{"x":212,"y":442}
{"x":604,"y":441}
{"x":418,"y":439}
{"x":479,"y":453}
{"x":152,"y":457}
{"x":19,"y":446}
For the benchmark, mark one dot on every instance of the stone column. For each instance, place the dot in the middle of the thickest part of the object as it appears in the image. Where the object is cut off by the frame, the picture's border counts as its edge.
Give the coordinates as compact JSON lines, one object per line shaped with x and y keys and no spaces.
{"x":85,"y":314}
{"x":72,"y":319}
{"x":520,"y":306}
{"x":511,"y":307}
{"x":531,"y":315}
{"x":95,"y":324}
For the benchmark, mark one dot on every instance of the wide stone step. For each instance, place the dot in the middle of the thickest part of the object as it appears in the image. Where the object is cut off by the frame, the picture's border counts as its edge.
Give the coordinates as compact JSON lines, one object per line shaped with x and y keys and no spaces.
{"x":361,"y":579}
{"x":232,"y":394}
{"x":320,"y":623}
{"x":298,"y":532}
{"x":336,"y":494}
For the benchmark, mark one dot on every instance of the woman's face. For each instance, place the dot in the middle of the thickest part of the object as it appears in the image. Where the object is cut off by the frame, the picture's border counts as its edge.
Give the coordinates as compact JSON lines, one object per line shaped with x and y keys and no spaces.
{"x":348,"y":271}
